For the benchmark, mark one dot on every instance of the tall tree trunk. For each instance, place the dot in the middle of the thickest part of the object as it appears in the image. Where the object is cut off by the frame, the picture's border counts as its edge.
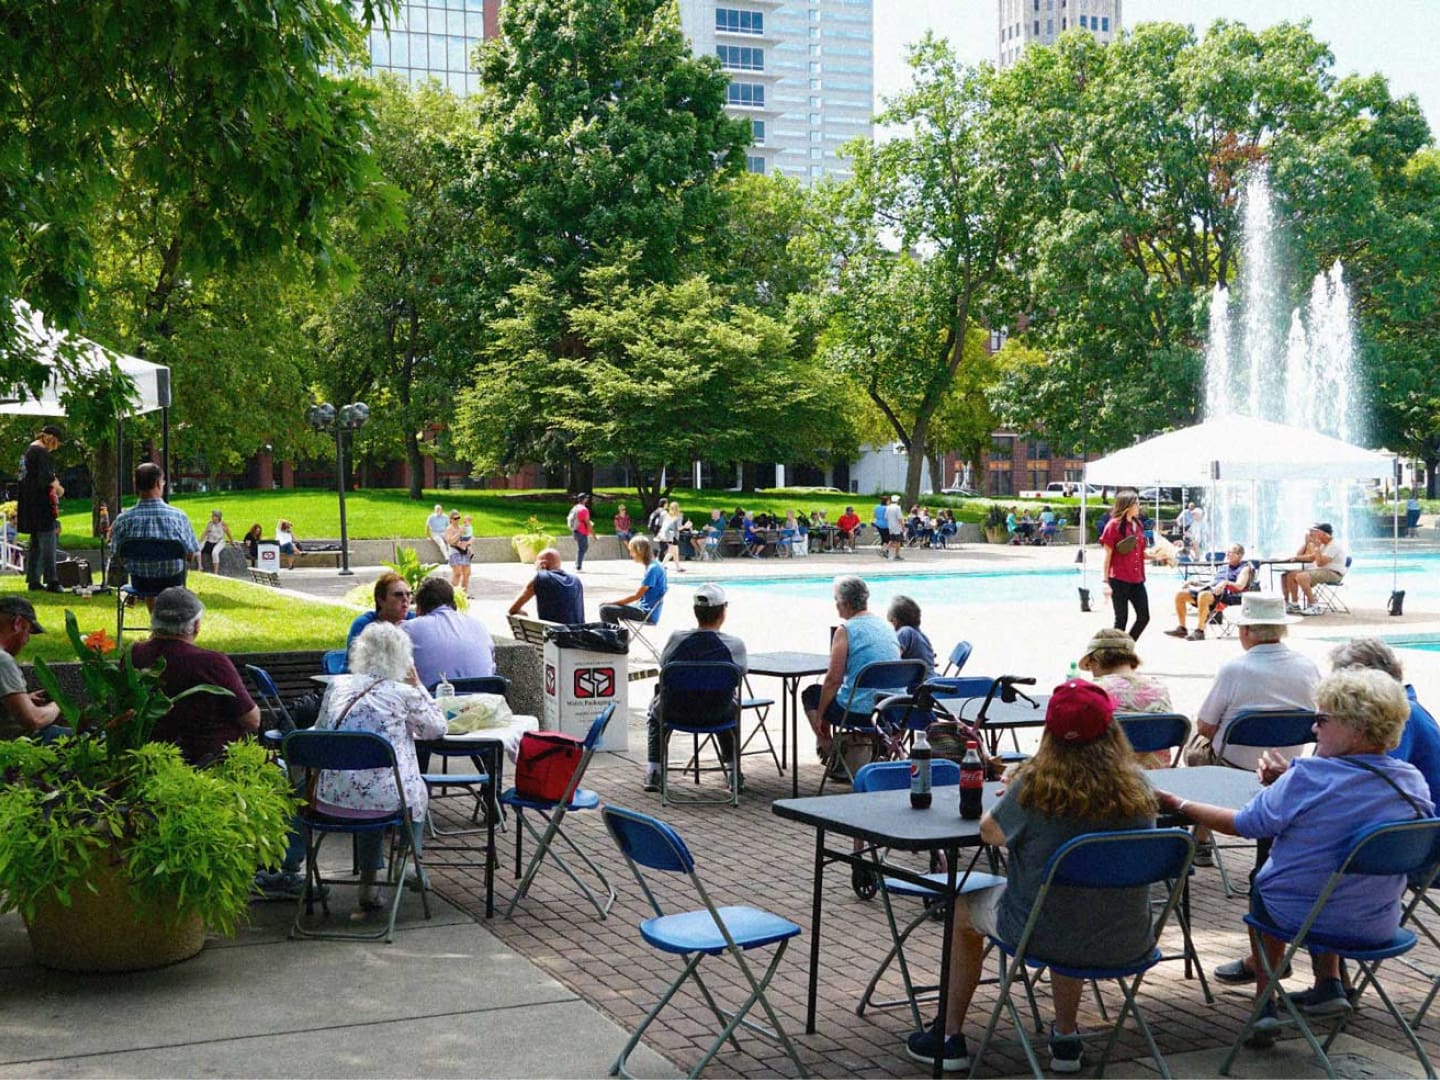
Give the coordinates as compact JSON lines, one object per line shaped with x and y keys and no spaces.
{"x":937,"y":477}
{"x":416,"y":461}
{"x":102,"y":481}
{"x":919,"y":438}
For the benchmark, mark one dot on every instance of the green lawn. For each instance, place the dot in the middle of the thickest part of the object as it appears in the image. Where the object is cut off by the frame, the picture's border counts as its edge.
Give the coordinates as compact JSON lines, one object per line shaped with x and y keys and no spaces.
{"x":239,"y":617}
{"x":387,"y":513}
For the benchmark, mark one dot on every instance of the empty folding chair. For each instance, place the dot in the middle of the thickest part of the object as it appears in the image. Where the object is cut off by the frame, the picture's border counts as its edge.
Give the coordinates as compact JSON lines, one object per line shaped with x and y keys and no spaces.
{"x":733,"y":931}
{"x":895,"y":776}
{"x":553,"y":813}
{"x":347,"y":751}
{"x":1126,"y":859}
{"x":276,"y":720}
{"x":958,"y":657}
{"x":1404,"y":847}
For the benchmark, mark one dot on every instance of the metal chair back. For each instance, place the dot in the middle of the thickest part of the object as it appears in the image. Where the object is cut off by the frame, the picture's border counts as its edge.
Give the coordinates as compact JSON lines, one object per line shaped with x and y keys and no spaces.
{"x":895,"y":775}
{"x":1152,"y":732}
{"x":1268,"y":728}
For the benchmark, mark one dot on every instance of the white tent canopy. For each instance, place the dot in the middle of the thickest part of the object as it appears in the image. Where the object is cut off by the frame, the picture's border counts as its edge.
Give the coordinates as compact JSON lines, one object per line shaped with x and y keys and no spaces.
{"x":152,"y":381}
{"x":1237,"y":448}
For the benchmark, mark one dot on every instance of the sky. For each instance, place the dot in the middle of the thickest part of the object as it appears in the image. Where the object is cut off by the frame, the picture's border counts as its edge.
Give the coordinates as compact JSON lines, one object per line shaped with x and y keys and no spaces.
{"x":1397,"y":38}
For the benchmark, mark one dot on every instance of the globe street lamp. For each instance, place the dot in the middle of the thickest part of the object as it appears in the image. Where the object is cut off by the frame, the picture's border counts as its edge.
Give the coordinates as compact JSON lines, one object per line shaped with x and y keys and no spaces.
{"x":323,"y":417}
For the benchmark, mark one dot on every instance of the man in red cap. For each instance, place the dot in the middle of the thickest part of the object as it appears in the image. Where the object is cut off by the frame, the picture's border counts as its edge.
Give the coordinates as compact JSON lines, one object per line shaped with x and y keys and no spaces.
{"x":1083,"y":778}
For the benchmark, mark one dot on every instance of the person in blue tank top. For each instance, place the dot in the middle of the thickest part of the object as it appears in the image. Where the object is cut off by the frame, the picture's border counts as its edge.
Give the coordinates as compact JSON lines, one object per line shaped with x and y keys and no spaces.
{"x":559,"y":597}
{"x":863,"y":638}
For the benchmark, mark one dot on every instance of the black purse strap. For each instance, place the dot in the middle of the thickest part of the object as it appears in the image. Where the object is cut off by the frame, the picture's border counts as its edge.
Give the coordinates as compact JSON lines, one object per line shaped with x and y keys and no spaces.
{"x":1357,"y":763}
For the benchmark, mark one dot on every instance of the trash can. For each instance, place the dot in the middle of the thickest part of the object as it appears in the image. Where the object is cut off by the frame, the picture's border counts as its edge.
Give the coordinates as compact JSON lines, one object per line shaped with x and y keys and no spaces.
{"x":586,"y":669}
{"x":267,"y":556}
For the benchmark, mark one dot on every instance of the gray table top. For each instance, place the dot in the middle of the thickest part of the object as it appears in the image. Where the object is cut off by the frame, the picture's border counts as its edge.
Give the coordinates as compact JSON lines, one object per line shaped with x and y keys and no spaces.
{"x":788,"y":664}
{"x":1018,"y":713}
{"x":886,"y":817}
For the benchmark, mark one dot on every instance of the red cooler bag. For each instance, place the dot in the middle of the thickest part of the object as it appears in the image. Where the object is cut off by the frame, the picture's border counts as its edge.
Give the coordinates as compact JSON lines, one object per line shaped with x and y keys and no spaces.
{"x":546,"y":762}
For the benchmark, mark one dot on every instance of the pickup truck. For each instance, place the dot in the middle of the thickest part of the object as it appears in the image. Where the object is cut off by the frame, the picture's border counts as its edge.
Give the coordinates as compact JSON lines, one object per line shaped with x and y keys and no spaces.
{"x":1061,"y":489}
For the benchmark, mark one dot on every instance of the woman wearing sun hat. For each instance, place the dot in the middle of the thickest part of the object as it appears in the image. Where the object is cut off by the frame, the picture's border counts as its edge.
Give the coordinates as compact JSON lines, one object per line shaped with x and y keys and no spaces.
{"x":1111,"y":659}
{"x":1082,"y":779}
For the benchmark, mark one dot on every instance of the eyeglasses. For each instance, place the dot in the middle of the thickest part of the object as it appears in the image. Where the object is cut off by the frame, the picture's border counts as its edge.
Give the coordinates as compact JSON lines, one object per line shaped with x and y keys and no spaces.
{"x":1322,"y":718}
{"x":400,"y":595}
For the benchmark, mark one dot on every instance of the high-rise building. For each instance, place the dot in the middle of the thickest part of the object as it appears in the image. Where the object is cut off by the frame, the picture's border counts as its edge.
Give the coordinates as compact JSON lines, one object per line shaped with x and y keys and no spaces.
{"x":435,"y":39}
{"x":1039,"y":22}
{"x":801,"y":71}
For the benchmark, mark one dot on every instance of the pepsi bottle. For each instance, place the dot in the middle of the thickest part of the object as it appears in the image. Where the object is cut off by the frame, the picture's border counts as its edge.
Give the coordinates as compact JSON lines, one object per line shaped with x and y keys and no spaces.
{"x":920,"y":795}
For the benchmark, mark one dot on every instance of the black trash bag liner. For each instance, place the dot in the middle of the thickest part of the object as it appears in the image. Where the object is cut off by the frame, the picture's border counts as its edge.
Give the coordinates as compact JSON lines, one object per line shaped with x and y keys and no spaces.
{"x":593,"y":637}
{"x":305,"y":710}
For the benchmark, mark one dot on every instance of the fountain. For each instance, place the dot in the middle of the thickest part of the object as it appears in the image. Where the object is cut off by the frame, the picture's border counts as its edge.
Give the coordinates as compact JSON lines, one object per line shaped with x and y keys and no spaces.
{"x":1274,"y":357}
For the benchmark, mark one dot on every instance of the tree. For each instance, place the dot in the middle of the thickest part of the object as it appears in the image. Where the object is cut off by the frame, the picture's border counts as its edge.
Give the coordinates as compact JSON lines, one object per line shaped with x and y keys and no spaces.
{"x":600,"y":134}
{"x":955,"y":207}
{"x":229,"y":118}
{"x":395,"y":338}
{"x":661,"y":373}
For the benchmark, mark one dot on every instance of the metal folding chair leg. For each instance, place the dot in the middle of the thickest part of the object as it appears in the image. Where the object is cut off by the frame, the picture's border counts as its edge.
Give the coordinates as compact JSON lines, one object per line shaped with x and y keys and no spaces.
{"x":545,"y":849}
{"x":315,"y":889}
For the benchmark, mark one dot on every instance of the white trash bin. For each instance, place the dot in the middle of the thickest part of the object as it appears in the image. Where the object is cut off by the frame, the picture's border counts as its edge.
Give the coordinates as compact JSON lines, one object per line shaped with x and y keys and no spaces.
{"x":578,"y":684}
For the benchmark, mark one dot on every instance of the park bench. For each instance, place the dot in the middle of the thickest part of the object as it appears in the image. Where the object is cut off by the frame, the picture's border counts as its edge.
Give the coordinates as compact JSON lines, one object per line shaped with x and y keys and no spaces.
{"x":532,"y":632}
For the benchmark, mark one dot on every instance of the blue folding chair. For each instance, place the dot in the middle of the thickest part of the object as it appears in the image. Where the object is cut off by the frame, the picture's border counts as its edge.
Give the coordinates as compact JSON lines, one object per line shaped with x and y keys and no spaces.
{"x":895,"y":776}
{"x":1263,"y":728}
{"x":700,"y":698}
{"x":347,"y":751}
{"x":1150,"y":733}
{"x":1126,"y":859}
{"x":553,"y":814}
{"x":706,"y":931}
{"x":142,"y":550}
{"x":276,"y":719}
{"x":475,"y":783}
{"x":335,"y":662}
{"x":1409,"y":848}
{"x":958,"y":657}
{"x":883,"y":679}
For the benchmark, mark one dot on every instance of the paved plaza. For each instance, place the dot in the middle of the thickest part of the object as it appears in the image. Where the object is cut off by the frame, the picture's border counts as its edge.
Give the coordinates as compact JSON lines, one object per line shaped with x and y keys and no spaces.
{"x":553,"y":991}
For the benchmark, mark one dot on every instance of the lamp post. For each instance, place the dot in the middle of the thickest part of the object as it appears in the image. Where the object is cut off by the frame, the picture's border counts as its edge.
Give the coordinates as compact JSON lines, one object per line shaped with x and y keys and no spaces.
{"x":323,"y":417}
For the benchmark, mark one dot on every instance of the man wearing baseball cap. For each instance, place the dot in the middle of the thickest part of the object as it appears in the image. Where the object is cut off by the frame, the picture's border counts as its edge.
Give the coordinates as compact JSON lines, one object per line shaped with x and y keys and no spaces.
{"x":38,"y":502}
{"x":26,"y":712}
{"x":704,"y":643}
{"x":1328,"y":554}
{"x":1083,"y":778}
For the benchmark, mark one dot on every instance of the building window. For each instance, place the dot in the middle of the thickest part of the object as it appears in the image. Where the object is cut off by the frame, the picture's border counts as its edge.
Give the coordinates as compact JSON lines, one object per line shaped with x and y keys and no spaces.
{"x":1062,"y":22}
{"x":738,"y":21}
{"x":757,"y":132}
{"x":755,"y":164}
{"x":1000,"y":482}
{"x":745,"y":95}
{"x":1002,"y":446}
{"x":1105,"y":23}
{"x":1037,"y":27}
{"x":1084,"y":22}
{"x":1036,"y":450}
{"x":1049,"y":27}
{"x":1039,"y":477}
{"x":741,"y":57}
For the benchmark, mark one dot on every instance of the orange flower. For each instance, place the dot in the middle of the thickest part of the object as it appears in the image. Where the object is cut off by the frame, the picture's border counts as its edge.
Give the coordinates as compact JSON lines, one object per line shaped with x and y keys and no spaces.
{"x":100,"y":641}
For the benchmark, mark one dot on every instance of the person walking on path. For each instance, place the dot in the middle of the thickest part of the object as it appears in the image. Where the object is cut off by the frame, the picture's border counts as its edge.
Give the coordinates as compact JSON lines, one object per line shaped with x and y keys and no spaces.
{"x":1124,"y":543}
{"x":579,"y":523}
{"x":39,"y":502}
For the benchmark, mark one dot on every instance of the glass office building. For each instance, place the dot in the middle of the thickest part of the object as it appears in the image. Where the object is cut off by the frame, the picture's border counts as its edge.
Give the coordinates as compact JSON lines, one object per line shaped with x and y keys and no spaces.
{"x":435,"y":39}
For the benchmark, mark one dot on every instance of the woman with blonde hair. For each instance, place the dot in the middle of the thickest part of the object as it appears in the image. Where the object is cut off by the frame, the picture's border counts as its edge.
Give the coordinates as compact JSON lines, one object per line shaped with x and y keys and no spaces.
{"x":1082,"y":779}
{"x":1111,"y":660}
{"x":670,"y":534}
{"x":1124,"y":541}
{"x":1311,"y":809}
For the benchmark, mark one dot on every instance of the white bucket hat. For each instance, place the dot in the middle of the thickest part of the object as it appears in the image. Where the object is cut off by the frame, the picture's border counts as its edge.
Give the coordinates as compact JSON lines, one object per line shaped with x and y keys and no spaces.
{"x":1257,"y":609}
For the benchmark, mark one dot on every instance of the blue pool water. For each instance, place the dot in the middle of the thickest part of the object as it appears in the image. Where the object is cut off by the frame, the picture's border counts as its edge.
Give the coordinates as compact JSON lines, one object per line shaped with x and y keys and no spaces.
{"x":1367,"y":585}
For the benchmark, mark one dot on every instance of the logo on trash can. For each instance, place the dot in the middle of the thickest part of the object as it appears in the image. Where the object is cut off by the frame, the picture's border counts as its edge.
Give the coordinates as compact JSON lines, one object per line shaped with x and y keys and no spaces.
{"x":595,"y":682}
{"x":550,"y":679}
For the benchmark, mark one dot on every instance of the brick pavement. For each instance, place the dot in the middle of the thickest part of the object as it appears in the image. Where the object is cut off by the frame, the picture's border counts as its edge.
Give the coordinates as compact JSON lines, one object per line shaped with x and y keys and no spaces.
{"x":750,"y":856}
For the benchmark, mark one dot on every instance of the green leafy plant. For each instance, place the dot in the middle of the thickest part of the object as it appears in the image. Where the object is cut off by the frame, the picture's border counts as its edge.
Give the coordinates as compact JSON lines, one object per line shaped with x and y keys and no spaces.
{"x":408,"y":565}
{"x":535,"y":529}
{"x":995,"y":517}
{"x":532,"y":540}
{"x":190,"y":839}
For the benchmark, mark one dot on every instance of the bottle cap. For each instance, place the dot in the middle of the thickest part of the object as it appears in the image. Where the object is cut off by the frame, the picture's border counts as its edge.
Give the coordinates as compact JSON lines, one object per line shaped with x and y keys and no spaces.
{"x":972,"y":744}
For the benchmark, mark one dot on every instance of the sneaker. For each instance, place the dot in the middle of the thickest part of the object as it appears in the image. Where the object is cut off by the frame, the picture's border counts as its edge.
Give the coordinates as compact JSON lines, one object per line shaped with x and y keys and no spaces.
{"x":1327,"y":999}
{"x":921,"y":1047}
{"x":1313,"y":609}
{"x":652,"y":780}
{"x":1179,"y":632}
{"x":1266,"y":1029}
{"x":413,"y":880}
{"x":1196,"y":635}
{"x":1205,"y":856}
{"x":1293,"y":609}
{"x":1237,"y":972}
{"x":1067,"y":1052}
{"x":279,"y":885}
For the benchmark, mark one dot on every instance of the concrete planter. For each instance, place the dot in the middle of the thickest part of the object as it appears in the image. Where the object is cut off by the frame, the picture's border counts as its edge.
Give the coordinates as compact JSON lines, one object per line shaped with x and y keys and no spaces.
{"x":997,"y":534}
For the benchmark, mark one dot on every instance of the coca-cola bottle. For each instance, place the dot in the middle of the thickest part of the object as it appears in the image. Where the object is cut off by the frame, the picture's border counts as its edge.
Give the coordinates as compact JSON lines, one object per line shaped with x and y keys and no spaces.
{"x":972,"y":782}
{"x":920,"y":796}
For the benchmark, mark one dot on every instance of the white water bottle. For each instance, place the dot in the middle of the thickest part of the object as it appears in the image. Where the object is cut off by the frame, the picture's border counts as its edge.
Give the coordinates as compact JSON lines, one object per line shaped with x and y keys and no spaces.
{"x":445,"y":696}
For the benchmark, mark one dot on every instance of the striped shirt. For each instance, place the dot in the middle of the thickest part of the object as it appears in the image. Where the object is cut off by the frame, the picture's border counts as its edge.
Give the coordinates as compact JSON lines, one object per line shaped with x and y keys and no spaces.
{"x":154,"y":519}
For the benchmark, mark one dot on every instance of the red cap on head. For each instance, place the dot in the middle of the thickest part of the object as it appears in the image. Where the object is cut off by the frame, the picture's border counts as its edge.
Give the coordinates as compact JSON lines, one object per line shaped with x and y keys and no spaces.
{"x":1079,"y":712}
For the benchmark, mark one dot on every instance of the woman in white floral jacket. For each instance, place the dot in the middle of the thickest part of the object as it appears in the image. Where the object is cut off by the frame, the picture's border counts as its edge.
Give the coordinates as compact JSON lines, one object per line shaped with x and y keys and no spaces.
{"x":381,"y":694}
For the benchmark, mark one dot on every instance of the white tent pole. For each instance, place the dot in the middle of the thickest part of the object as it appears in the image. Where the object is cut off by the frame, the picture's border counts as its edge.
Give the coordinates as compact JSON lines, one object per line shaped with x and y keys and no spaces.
{"x":1254,"y":520}
{"x":1395,"y":529}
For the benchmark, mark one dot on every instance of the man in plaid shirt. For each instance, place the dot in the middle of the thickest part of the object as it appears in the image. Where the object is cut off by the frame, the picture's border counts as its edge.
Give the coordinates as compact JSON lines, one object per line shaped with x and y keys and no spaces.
{"x":154,"y":519}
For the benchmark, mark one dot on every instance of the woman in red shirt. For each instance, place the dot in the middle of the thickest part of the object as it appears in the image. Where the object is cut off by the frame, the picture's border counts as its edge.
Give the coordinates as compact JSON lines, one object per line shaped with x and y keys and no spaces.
{"x":847,"y":524}
{"x":1124,"y":543}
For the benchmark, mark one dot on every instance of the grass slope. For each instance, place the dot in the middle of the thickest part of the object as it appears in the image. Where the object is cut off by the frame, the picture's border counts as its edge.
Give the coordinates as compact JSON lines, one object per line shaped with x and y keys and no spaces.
{"x":239,"y":617}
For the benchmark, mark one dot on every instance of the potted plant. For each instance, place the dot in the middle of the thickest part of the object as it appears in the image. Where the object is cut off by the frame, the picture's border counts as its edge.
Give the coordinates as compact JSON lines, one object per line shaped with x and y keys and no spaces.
{"x":995,"y":530}
{"x":118,"y":854}
{"x":532,"y":541}
{"x":408,"y":565}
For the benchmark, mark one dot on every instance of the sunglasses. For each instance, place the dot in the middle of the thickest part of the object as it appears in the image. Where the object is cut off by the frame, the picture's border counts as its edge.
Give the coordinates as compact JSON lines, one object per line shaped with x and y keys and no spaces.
{"x":400,"y":595}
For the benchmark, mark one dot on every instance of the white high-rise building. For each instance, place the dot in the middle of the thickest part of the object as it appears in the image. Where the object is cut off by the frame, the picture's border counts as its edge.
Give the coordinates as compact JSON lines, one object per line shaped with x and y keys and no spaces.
{"x":435,"y":39}
{"x":1040,"y":22}
{"x":801,"y":71}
